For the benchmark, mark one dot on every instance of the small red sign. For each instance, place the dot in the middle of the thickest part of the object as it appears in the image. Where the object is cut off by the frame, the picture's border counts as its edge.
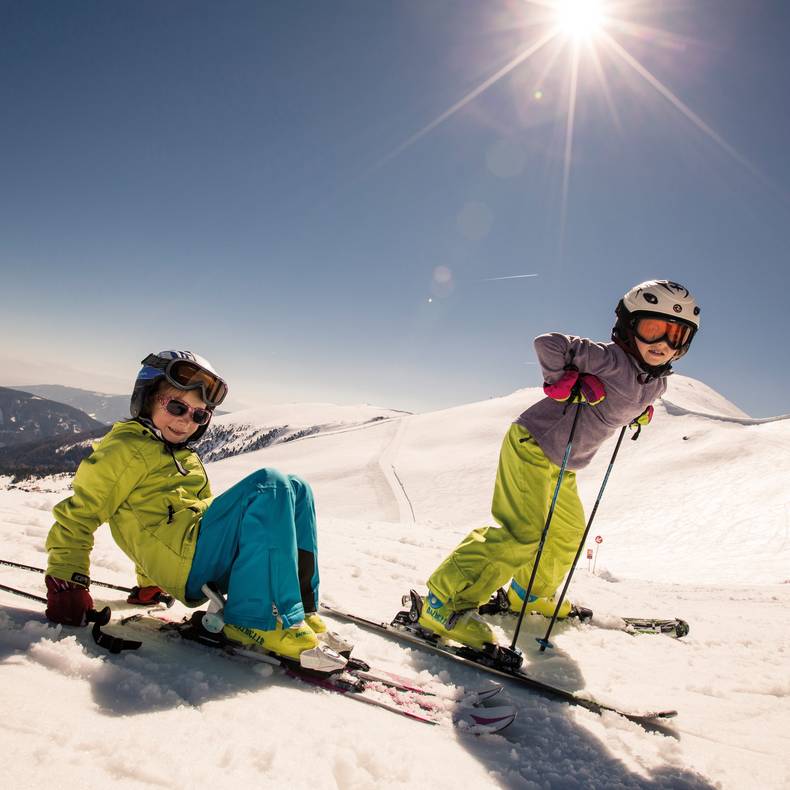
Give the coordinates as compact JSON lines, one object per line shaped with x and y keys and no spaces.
{"x":598,"y":539}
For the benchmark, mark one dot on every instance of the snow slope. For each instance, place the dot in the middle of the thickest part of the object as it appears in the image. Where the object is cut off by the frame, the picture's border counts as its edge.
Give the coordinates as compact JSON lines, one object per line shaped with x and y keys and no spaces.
{"x":253,"y":429}
{"x":695,"y":523}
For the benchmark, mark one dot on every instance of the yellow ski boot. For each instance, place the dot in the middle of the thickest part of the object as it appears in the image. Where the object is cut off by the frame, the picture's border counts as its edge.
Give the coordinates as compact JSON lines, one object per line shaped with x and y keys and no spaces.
{"x":467,"y":627}
{"x":327,"y":637}
{"x":286,"y":642}
{"x":544,"y":606}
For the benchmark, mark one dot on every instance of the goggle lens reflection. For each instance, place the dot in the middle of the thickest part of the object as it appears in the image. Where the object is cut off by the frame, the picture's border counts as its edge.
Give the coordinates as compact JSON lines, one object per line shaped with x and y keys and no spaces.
{"x":654,"y":330}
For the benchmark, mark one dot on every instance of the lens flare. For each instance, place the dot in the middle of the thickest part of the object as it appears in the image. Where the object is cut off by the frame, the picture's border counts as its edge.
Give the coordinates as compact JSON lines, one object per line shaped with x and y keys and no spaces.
{"x":579,"y":18}
{"x":571,"y":36}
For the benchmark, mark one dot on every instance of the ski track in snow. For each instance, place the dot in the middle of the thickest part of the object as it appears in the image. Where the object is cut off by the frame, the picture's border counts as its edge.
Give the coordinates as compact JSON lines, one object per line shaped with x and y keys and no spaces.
{"x":695,"y":523}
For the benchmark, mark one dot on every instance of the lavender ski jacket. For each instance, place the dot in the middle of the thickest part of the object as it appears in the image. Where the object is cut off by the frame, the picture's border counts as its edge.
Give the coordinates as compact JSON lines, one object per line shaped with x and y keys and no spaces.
{"x":629,"y":391}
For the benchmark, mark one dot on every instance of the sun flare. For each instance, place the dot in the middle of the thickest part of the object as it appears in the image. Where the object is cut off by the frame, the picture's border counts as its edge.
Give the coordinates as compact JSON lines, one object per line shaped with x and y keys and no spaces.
{"x":583,"y":37}
{"x":580,"y":18}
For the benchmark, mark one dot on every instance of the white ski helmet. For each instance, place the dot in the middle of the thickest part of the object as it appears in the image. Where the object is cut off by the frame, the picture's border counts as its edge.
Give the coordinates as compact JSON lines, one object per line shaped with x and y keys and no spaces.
{"x":662,"y":299}
{"x":183,"y":370}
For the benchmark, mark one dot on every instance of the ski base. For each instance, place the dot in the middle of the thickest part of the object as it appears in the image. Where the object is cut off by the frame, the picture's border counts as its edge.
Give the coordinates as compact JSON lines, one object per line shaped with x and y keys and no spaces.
{"x":404,"y":628}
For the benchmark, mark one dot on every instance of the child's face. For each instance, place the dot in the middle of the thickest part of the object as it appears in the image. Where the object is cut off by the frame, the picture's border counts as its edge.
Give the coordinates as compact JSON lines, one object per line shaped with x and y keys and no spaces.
{"x":176,"y":429}
{"x":655,"y":354}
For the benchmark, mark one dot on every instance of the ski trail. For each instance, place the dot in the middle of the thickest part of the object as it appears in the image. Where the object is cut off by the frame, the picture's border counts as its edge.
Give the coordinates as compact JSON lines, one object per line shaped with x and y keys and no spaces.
{"x":387,"y":466}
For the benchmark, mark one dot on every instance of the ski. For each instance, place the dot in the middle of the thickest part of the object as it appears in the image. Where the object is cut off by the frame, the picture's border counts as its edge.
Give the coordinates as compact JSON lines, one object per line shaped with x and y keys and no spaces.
{"x":358,"y":681}
{"x":674,"y":627}
{"x":404,"y":628}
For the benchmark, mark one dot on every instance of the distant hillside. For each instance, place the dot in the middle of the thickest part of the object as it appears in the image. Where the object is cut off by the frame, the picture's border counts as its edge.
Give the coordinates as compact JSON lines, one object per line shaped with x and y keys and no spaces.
{"x":227,"y":436}
{"x":253,"y":429}
{"x":98,"y":405}
{"x":48,"y":456}
{"x":25,"y":417}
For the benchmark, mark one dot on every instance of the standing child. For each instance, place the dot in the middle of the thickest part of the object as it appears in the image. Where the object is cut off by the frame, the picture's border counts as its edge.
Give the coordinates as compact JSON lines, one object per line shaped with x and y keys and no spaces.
{"x":656,"y":322}
{"x":256,"y":542}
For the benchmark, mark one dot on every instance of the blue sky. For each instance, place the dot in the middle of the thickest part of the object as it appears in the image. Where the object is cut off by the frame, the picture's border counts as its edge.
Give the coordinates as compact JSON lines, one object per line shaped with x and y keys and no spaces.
{"x":280,"y":187}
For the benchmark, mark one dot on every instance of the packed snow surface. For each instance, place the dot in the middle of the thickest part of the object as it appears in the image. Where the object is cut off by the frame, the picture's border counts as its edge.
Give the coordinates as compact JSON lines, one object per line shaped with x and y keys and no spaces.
{"x":695,"y":523}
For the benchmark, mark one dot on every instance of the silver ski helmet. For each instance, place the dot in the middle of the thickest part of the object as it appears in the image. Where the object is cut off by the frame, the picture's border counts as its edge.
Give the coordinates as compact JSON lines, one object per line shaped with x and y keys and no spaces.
{"x":183,"y":370}
{"x":676,"y":312}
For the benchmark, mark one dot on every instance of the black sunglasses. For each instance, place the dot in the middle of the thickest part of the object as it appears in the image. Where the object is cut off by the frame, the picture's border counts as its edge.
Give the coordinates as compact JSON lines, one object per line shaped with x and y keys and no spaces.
{"x":178,"y":408}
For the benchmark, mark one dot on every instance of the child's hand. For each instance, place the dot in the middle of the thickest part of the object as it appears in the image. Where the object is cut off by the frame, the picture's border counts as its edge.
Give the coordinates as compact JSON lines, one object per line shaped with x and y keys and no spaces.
{"x":643,"y":419}
{"x":67,"y":602}
{"x":148,"y":596}
{"x":590,"y":388}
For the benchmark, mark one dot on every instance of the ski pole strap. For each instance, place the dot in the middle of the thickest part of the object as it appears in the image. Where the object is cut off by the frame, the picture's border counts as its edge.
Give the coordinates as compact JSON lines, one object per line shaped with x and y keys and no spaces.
{"x":115,"y":644}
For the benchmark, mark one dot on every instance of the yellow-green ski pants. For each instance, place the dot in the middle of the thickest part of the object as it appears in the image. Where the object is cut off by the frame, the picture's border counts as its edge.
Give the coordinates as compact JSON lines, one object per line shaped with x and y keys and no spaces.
{"x":489,"y":557}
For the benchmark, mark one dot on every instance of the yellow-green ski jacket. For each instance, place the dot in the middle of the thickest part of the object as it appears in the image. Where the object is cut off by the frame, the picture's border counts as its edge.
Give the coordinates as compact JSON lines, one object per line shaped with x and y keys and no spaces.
{"x":153,"y":498}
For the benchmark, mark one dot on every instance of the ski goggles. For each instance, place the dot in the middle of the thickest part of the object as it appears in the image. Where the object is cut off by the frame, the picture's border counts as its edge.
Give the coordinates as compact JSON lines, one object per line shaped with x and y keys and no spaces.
{"x":187,"y":375}
{"x":656,"y":330}
{"x":178,"y":408}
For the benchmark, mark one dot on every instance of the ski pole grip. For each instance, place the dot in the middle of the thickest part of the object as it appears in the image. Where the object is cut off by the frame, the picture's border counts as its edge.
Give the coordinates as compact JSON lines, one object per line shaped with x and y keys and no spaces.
{"x":101,"y":617}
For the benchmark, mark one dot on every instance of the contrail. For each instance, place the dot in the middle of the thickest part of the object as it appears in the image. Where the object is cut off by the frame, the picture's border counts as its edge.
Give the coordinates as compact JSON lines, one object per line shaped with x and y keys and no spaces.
{"x":510,"y":277}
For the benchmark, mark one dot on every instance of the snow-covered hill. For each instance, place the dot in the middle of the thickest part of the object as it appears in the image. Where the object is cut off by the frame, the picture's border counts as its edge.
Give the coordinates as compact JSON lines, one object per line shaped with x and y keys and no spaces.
{"x":695,"y":523}
{"x":253,"y":429}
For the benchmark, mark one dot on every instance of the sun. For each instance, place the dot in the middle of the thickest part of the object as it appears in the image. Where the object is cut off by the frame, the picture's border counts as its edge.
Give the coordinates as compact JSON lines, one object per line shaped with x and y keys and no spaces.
{"x":586,"y":35}
{"x":579,"y":18}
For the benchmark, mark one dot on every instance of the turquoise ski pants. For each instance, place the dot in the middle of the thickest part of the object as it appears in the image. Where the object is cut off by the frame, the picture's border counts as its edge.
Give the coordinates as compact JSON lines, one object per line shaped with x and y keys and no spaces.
{"x":258,"y":544}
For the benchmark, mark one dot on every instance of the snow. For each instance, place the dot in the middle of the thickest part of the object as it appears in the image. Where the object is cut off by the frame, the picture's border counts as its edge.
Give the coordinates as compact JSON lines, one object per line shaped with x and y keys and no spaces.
{"x":695,"y":523}
{"x":303,"y":415}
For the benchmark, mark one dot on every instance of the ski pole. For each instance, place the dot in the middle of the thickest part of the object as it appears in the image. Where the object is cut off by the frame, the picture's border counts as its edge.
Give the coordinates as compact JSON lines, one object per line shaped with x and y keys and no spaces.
{"x":160,"y":598}
{"x":114,"y":644}
{"x":42,"y":570}
{"x":544,"y":643}
{"x":22,"y":594}
{"x":548,"y":521}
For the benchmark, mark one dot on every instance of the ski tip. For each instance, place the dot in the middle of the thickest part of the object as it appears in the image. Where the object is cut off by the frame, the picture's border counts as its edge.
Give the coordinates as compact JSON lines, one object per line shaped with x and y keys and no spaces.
{"x":486,"y":693}
{"x":486,"y":721}
{"x":681,"y":629}
{"x":653,"y":716}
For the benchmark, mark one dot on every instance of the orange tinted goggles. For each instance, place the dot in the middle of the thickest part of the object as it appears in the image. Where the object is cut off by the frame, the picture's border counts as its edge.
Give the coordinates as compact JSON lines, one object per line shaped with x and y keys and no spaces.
{"x":187,"y":375}
{"x":656,"y":330}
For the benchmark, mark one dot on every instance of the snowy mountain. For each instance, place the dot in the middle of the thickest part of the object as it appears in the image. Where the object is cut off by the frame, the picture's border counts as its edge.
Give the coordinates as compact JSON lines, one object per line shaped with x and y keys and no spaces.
{"x":253,"y":429}
{"x":99,"y":405}
{"x":694,"y":522}
{"x":227,"y":435}
{"x":25,"y":417}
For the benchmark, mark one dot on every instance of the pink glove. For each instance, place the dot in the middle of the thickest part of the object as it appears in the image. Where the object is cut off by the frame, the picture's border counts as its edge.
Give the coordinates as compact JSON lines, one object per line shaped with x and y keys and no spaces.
{"x":591,"y":389}
{"x":67,"y":602}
